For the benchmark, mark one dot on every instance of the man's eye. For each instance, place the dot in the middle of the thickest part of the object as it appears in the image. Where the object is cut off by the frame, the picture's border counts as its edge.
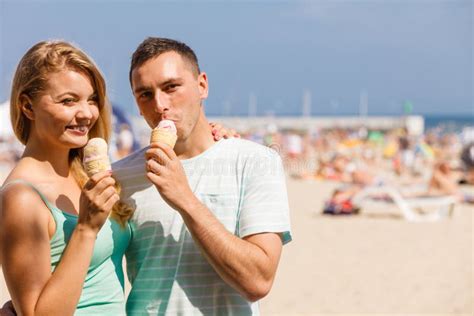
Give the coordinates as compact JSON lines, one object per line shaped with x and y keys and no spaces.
{"x":145,"y":95}
{"x":171,"y":87}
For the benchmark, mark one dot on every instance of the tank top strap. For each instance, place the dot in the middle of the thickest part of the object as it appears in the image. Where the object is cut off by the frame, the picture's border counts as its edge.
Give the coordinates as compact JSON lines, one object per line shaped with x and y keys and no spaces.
{"x":45,"y":200}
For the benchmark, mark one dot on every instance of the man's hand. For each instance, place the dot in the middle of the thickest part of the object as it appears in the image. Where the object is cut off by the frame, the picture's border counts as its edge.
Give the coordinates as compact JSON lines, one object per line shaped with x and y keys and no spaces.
{"x":165,"y":171}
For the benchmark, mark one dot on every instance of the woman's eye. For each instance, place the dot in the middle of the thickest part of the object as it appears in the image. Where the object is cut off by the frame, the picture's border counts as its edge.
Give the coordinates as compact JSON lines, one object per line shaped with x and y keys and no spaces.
{"x":67,"y":101}
{"x":94,"y":99}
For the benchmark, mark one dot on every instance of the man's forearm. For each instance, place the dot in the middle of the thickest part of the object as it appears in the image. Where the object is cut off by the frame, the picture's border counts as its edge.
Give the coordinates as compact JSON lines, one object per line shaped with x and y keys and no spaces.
{"x":242,"y":264}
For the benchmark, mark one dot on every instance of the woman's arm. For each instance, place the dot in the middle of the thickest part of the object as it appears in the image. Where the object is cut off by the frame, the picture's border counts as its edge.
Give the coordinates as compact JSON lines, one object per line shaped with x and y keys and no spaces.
{"x":25,"y":249}
{"x":26,"y":255}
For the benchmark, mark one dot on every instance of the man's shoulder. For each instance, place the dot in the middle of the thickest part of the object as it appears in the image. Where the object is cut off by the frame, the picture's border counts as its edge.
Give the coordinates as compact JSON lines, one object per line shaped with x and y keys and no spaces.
{"x":250,"y":149}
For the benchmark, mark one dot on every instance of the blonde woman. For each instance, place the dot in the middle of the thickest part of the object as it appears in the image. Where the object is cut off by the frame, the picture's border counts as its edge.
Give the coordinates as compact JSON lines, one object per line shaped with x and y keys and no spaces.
{"x":61,"y":252}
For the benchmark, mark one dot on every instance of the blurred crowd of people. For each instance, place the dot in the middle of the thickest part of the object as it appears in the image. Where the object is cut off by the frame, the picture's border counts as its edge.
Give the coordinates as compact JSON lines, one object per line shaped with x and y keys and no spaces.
{"x":435,"y":163}
{"x":353,"y":156}
{"x":10,"y":152}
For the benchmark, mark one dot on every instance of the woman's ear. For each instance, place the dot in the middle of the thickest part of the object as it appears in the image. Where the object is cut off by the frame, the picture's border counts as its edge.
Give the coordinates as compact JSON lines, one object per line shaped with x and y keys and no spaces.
{"x":27,"y":107}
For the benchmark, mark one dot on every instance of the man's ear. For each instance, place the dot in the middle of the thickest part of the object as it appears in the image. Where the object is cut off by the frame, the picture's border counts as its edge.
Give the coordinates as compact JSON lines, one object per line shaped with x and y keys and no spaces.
{"x":26,"y":107}
{"x":203,"y":85}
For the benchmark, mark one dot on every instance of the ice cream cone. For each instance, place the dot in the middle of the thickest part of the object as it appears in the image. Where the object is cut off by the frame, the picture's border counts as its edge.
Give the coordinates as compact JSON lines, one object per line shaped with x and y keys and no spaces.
{"x":95,"y":156}
{"x":163,"y":136}
{"x":165,"y":132}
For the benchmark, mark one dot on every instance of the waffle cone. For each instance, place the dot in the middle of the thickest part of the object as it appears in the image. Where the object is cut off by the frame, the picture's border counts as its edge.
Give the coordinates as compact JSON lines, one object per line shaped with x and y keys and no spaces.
{"x":94,"y":166}
{"x":163,"y":136}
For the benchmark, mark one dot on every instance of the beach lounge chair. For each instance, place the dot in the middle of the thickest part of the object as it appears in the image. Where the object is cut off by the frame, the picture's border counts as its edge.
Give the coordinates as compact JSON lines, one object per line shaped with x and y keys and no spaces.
{"x":427,"y":208}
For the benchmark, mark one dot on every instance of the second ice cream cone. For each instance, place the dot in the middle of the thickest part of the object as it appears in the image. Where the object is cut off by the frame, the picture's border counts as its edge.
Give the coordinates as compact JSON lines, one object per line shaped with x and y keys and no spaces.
{"x":95,"y":156}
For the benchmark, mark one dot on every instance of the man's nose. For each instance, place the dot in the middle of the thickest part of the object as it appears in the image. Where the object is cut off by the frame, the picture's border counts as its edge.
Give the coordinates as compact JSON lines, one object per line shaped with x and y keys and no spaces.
{"x":162,"y":102}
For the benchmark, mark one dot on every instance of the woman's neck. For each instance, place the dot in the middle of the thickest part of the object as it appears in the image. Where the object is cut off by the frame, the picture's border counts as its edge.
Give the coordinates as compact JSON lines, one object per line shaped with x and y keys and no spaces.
{"x":49,"y":159}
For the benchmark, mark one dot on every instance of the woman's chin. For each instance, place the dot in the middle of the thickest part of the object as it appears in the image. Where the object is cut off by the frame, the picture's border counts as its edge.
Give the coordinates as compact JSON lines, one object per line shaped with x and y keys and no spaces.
{"x":76,"y":142}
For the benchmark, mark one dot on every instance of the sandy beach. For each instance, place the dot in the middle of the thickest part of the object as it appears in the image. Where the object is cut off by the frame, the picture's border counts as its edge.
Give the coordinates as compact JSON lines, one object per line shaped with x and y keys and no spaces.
{"x":374,"y":263}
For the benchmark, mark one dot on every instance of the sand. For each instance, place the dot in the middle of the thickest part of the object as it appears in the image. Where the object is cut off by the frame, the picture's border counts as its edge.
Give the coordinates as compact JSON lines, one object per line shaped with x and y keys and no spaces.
{"x":372,"y":263}
{"x":375,"y":263}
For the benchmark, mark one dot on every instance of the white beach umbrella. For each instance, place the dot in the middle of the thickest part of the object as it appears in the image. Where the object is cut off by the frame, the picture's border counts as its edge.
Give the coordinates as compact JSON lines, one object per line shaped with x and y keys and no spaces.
{"x":5,"y":126}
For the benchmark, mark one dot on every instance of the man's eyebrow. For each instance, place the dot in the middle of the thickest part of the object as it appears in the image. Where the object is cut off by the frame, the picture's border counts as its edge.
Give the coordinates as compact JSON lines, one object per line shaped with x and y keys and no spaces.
{"x":140,"y":89}
{"x":170,"y":80}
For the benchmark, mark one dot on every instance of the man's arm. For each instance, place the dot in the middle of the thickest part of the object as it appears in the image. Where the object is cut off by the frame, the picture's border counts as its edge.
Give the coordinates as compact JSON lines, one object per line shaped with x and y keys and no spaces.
{"x":249,"y":264}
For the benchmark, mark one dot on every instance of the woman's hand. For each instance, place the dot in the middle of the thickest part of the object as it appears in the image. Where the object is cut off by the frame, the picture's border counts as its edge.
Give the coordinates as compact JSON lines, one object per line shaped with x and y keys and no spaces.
{"x":98,"y":197}
{"x":219,"y":131}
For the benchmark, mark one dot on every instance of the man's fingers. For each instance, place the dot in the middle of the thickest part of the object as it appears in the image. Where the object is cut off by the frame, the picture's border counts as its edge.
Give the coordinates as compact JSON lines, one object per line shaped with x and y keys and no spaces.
{"x":154,"y":167}
{"x":167,"y":150}
{"x":156,"y":180}
{"x":157,"y":154}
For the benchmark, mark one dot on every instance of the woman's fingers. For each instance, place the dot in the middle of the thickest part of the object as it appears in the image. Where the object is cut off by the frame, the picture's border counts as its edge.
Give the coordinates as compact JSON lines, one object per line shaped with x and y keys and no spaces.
{"x":109,"y":204}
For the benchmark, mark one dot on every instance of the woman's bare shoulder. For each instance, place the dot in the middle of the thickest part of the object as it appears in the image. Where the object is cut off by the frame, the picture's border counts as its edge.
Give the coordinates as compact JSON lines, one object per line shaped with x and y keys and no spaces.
{"x":20,"y":201}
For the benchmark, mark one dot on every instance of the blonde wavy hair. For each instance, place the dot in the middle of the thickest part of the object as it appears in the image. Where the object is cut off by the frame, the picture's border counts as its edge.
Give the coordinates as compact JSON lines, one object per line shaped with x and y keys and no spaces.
{"x":30,"y":81}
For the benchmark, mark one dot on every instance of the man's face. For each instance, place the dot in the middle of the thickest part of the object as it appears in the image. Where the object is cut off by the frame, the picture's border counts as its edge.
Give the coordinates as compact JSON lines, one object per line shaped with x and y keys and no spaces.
{"x":166,"y":87}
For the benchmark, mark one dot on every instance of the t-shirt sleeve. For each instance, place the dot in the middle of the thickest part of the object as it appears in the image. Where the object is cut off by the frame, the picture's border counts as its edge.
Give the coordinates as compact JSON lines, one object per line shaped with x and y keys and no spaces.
{"x":264,"y":206}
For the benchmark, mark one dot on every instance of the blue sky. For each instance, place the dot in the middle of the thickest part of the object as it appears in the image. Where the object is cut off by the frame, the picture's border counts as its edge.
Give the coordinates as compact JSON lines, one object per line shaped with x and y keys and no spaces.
{"x":421,"y":51}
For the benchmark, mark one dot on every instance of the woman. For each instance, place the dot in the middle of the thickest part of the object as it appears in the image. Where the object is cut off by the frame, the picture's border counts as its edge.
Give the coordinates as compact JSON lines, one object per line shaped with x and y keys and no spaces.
{"x":60,"y":251}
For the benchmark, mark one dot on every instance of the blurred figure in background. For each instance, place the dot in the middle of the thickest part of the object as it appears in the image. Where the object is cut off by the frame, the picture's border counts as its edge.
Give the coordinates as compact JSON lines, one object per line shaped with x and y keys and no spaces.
{"x":124,"y":141}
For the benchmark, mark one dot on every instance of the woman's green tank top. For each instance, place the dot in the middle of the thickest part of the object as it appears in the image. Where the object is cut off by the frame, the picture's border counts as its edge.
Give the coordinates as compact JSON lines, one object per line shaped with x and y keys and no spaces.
{"x":103,"y":291}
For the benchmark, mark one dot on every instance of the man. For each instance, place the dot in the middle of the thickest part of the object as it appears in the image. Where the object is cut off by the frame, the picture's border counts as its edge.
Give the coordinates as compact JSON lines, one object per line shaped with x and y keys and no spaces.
{"x":210,"y":218}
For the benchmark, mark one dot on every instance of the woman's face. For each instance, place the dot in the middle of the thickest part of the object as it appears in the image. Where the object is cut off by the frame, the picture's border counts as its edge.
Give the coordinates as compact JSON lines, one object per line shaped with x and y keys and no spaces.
{"x":65,"y":112}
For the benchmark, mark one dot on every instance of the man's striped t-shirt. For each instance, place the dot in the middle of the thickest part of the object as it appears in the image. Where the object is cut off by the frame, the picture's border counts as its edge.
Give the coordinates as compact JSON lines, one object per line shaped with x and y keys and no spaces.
{"x":242,"y":184}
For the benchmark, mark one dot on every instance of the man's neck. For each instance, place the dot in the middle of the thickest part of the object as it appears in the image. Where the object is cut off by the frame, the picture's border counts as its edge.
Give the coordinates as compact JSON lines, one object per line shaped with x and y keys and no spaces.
{"x":198,"y":141}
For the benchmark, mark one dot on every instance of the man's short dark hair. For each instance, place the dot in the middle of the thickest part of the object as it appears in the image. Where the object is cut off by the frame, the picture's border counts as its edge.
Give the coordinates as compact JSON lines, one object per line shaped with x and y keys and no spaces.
{"x":155,"y":46}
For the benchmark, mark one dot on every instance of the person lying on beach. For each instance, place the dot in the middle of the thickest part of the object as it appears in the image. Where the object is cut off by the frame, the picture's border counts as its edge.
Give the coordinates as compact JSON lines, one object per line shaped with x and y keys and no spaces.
{"x":467,"y":158}
{"x":340,"y":168}
{"x":443,"y":182}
